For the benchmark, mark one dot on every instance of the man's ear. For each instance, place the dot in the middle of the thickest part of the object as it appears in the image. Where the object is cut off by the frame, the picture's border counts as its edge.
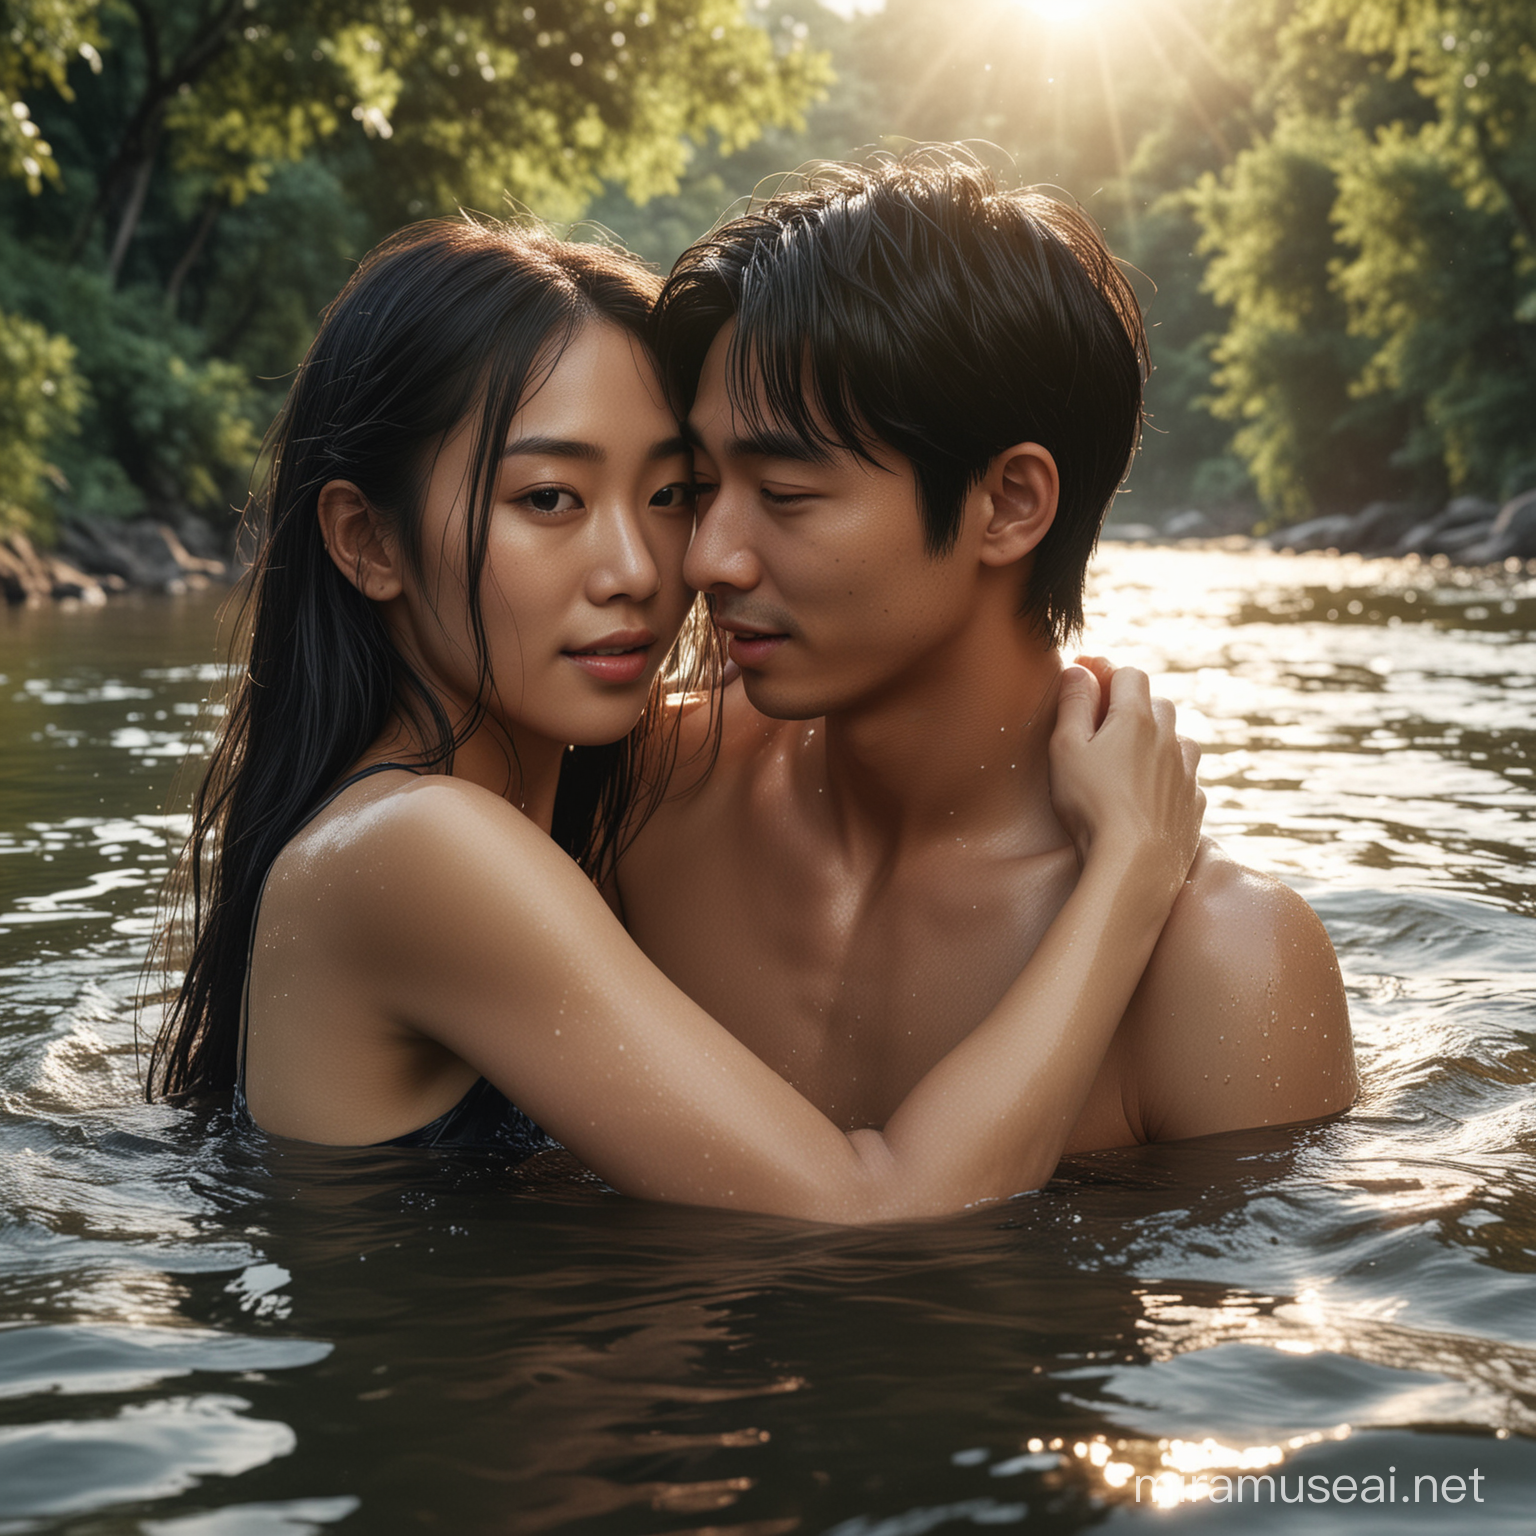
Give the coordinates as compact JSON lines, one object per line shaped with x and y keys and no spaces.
{"x":1020,"y":489}
{"x":358,"y":542}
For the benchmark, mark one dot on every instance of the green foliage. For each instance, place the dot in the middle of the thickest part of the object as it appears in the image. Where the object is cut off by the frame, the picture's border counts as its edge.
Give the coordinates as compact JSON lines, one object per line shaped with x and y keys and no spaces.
{"x":40,"y":396}
{"x":1288,"y":359}
{"x":190,"y":181}
{"x":544,"y":104}
{"x":1330,"y":204}
{"x":1186,"y":457}
{"x":1375,"y":251}
{"x":465,"y":103}
{"x":161,"y":425}
{"x":39,"y":41}
{"x":1436,"y":282}
{"x":1036,"y":102}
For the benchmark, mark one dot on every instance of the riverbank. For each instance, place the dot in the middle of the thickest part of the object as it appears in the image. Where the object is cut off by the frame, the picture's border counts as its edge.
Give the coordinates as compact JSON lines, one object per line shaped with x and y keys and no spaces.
{"x":1468,"y":530}
{"x":94,"y":557}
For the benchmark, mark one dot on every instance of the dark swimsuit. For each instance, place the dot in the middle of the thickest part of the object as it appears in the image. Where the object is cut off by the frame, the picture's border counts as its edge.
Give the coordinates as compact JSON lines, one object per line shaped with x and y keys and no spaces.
{"x":485,"y":1118}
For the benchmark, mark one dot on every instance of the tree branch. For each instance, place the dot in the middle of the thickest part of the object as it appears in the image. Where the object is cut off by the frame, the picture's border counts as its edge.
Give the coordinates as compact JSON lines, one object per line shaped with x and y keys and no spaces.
{"x":141,"y":136}
{"x":211,"y":212}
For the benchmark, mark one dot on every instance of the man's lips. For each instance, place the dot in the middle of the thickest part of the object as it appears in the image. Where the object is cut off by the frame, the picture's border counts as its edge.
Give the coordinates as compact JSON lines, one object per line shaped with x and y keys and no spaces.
{"x":621,"y":657}
{"x":750,"y":644}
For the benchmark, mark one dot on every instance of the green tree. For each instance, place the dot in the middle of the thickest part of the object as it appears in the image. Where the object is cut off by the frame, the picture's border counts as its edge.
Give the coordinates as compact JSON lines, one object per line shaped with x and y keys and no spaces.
{"x":39,"y":41}
{"x":39,"y":404}
{"x":40,"y":392}
{"x":217,"y":165}
{"x":466,"y":103}
{"x":1076,"y":109}
{"x":1374,"y":250}
{"x":1439,"y":220}
{"x":1287,"y":362}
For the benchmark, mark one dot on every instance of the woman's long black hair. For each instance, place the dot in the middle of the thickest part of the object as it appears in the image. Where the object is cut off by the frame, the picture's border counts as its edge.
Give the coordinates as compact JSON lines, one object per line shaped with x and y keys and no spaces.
{"x":440,"y":318}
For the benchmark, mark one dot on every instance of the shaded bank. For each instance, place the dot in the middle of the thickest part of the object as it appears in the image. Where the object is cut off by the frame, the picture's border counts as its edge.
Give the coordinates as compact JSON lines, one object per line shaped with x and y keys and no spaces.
{"x":1468,"y":530}
{"x":95,"y":556}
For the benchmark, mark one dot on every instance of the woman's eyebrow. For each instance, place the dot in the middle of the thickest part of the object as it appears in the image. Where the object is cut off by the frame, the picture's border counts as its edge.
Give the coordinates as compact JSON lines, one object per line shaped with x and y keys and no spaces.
{"x":555,"y":448}
{"x":573,"y":448}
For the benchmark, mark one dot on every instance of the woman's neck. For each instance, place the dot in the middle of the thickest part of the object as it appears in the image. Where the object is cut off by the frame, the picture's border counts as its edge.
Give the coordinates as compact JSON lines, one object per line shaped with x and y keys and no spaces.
{"x":522,"y":767}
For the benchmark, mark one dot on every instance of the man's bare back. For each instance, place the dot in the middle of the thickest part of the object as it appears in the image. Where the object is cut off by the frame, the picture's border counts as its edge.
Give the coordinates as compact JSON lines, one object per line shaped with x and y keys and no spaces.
{"x":852,"y":976}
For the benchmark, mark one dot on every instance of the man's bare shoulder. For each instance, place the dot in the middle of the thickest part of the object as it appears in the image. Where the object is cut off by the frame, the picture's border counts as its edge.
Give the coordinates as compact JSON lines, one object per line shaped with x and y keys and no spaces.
{"x":1240,"y":1019}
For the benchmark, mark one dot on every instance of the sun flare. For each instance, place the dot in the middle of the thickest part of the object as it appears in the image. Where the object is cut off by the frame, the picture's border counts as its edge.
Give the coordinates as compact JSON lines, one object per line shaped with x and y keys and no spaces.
{"x":1063,"y":13}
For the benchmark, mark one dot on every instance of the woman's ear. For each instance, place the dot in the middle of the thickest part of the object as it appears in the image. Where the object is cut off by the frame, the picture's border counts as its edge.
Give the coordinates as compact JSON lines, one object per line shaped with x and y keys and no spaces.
{"x":358,"y":542}
{"x":1020,"y":488}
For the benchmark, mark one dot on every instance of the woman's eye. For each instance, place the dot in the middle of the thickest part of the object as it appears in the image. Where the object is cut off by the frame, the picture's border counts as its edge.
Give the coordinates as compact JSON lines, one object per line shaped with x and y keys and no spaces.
{"x":672,"y":497}
{"x":549,"y":500}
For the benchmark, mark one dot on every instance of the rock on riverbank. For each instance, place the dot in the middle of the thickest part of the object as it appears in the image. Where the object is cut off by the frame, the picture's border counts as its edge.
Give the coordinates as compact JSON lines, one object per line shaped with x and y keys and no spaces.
{"x":1467,"y":531}
{"x":94,"y":556}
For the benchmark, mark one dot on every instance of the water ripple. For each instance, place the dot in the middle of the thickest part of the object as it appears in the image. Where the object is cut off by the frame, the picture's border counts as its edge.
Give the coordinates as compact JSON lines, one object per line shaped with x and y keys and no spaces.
{"x":203,"y":1333}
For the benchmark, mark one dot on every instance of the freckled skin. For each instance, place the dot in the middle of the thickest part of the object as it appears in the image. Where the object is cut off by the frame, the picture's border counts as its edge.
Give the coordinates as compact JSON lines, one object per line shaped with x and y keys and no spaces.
{"x":876,"y":852}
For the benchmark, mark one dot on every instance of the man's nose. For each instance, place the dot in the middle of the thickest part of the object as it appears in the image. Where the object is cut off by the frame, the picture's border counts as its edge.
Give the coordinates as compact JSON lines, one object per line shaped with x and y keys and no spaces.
{"x":720,"y":554}
{"x":625,"y":566}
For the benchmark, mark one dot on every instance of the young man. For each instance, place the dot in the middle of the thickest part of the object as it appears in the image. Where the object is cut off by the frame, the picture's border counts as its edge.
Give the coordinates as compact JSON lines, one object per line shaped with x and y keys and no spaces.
{"x":912,"y":397}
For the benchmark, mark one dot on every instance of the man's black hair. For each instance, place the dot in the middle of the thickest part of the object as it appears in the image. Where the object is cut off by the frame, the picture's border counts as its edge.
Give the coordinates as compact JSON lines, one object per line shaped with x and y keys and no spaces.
{"x":912,"y":302}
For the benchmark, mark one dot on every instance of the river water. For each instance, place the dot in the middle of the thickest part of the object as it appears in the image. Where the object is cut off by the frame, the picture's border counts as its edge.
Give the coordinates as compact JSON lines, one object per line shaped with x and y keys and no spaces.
{"x":207,"y":1335}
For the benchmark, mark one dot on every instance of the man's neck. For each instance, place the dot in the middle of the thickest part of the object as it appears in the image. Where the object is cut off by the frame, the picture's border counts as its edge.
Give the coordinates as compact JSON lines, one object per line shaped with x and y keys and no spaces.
{"x":955,"y":752}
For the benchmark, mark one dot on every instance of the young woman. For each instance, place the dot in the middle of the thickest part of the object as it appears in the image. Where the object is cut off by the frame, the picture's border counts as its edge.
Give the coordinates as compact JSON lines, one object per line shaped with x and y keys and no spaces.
{"x":478,"y":507}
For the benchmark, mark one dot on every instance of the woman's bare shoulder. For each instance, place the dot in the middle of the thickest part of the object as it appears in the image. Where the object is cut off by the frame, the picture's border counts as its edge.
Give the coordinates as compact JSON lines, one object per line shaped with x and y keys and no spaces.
{"x":405,"y":856}
{"x":384,"y":814}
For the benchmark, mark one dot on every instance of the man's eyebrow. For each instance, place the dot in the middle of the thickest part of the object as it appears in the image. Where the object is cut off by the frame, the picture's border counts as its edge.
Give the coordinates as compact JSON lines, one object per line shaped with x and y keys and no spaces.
{"x":770,"y":443}
{"x":765,"y":443}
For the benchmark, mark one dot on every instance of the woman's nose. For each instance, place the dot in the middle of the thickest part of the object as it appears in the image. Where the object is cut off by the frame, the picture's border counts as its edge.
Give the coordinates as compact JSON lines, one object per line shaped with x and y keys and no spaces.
{"x":625,"y":566}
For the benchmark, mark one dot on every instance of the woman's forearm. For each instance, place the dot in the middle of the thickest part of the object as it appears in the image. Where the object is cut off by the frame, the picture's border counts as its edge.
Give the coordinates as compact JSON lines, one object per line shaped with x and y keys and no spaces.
{"x":992,"y":1118}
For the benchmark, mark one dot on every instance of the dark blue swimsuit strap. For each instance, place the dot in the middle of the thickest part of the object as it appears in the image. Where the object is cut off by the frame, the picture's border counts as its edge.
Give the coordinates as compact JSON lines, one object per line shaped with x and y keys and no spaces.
{"x":250,"y":948}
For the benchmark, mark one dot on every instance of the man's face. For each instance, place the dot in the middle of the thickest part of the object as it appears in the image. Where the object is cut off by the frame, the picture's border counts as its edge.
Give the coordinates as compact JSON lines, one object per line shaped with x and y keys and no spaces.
{"x":817,"y":566}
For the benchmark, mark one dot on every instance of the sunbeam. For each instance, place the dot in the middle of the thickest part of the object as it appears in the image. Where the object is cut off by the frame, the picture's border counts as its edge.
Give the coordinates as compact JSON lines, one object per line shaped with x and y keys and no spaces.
{"x":1068,"y":12}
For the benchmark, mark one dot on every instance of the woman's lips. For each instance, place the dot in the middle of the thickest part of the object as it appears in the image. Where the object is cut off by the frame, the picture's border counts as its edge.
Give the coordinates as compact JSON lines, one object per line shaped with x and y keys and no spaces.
{"x":616,"y":659}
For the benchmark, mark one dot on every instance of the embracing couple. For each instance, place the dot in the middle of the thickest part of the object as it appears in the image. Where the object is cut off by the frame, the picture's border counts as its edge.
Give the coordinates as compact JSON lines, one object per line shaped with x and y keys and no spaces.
{"x":873,"y":918}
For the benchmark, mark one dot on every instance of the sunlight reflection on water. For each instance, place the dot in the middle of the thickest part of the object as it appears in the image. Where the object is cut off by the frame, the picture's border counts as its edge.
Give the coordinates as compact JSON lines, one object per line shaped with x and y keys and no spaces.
{"x":201,"y":1333}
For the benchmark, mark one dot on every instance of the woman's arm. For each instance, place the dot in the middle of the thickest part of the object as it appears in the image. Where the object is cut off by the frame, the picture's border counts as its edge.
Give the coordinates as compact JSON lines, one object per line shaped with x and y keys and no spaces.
{"x":474,"y":930}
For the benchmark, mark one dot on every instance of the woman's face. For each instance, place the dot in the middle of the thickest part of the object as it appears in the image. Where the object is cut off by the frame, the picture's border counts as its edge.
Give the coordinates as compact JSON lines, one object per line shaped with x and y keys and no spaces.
{"x":583,"y":588}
